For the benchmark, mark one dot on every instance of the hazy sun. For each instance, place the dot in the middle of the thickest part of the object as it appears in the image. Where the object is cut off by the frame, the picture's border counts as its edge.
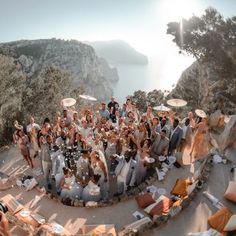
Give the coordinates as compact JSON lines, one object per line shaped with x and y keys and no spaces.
{"x":177,"y":9}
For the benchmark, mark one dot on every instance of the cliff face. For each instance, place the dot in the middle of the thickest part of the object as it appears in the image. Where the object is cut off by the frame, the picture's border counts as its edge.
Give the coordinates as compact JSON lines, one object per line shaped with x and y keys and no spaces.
{"x":77,"y":58}
{"x":36,"y":74}
{"x":204,"y":88}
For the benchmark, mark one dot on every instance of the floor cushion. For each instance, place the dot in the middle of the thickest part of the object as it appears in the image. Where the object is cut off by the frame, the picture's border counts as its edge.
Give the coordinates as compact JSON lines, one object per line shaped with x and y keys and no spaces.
{"x":231,"y":225}
{"x":145,"y":200}
{"x":219,"y":220}
{"x":181,"y":187}
{"x":230,"y":193}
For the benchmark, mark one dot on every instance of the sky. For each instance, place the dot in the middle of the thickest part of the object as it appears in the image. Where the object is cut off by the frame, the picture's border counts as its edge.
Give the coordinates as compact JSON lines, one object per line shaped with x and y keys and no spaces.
{"x":141,"y":23}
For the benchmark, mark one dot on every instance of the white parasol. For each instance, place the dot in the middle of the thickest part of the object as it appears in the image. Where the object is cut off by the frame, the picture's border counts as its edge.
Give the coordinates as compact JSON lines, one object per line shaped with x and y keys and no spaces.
{"x":161,"y":108}
{"x":201,"y":113}
{"x":87,"y":97}
{"x":68,"y":102}
{"x":177,"y":102}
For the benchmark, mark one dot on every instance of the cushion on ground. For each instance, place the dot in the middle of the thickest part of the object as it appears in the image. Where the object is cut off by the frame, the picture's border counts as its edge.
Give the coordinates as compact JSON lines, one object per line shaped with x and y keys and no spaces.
{"x":144,"y":200}
{"x":230,"y":193}
{"x":210,"y":232}
{"x":181,"y":187}
{"x":219,"y":220}
{"x":95,"y":230}
{"x":27,"y":219}
{"x":162,"y":208}
{"x":150,"y":207}
{"x":49,"y":229}
{"x":231,"y":225}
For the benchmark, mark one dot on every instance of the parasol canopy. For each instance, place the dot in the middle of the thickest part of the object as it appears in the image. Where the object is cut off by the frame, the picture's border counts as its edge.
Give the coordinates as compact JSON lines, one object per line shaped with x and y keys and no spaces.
{"x":201,"y":113}
{"x":177,"y":102}
{"x":161,"y":108}
{"x":68,"y":102}
{"x":87,"y":97}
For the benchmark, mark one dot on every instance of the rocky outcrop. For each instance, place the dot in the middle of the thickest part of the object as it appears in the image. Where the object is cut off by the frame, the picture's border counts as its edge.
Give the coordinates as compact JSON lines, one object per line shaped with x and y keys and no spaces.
{"x":109,"y":73}
{"x":216,"y":120}
{"x":203,"y":87}
{"x":72,"y":56}
{"x":228,"y":136}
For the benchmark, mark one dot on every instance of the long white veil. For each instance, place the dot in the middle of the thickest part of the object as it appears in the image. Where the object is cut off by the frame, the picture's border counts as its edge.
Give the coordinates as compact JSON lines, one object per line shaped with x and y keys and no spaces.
{"x":103,"y":159}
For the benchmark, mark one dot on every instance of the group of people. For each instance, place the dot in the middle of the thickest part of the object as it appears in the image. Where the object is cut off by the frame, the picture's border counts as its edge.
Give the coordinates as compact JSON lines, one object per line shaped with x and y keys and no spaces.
{"x":89,"y":154}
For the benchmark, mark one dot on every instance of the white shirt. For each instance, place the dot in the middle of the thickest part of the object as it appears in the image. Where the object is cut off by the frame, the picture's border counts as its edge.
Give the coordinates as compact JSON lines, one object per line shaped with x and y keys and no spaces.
{"x":85,"y":132}
{"x":125,"y":170}
{"x":184,"y":131}
{"x":30,"y":126}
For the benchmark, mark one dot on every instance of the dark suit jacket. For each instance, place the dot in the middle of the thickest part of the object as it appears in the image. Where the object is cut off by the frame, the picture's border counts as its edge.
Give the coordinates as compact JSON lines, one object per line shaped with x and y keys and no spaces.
{"x":175,"y":138}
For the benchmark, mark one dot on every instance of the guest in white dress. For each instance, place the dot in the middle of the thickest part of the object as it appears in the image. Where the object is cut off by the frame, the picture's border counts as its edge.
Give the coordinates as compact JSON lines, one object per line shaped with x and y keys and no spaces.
{"x":92,"y":191}
{"x":69,"y":187}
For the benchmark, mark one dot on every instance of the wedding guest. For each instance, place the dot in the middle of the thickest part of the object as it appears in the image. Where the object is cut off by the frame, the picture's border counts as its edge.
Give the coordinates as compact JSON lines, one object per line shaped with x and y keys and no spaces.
{"x":175,"y":137}
{"x":104,"y":113}
{"x":83,"y":168}
{"x":45,"y":155}
{"x":149,"y":113}
{"x":58,"y":163}
{"x":66,"y":117}
{"x":123,"y":111}
{"x":113,"y":106}
{"x":97,"y":144}
{"x":16,"y":127}
{"x":23,"y":144}
{"x":187,"y":135}
{"x":200,"y":143}
{"x":141,"y":158}
{"x":99,"y":168}
{"x":160,"y":145}
{"x":79,"y":143}
{"x":69,"y":187}
{"x":125,"y":171}
{"x":92,"y":192}
{"x":129,"y":105}
{"x":32,"y":124}
{"x":163,"y":126}
{"x":111,"y":150}
{"x":85,"y":130}
{"x":34,"y":144}
{"x":155,"y":127}
{"x":63,"y":140}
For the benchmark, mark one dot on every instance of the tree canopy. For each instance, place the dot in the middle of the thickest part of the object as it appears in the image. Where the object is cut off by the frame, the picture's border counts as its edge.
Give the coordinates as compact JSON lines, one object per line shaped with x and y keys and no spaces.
{"x":207,"y":37}
{"x":211,"y":39}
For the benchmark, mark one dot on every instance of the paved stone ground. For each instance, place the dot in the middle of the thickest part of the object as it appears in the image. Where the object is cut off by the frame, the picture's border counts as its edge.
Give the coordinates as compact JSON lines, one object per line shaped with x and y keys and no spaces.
{"x":192,"y":219}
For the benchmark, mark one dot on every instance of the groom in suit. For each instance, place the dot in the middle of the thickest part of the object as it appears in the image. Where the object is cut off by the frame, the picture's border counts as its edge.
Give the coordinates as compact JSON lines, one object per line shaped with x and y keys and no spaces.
{"x":175,"y":137}
{"x":125,"y":171}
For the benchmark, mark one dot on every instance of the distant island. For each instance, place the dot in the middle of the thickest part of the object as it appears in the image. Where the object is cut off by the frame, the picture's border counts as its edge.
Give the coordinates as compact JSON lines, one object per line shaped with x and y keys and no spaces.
{"x":118,"y":52}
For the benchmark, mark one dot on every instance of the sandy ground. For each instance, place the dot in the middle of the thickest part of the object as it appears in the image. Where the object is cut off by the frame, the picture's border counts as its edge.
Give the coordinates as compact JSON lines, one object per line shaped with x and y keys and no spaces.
{"x":192,"y":219}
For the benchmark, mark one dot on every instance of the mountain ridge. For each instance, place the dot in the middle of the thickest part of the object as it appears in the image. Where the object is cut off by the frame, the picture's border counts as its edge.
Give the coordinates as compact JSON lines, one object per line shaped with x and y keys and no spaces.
{"x":118,"y":52}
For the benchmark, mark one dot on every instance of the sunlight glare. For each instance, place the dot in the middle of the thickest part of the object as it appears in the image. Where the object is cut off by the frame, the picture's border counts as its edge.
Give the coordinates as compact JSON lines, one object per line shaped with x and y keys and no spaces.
{"x":175,"y":10}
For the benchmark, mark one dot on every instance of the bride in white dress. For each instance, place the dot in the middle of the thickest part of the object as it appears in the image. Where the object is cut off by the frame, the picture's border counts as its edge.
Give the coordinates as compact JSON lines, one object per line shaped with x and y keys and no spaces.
{"x":99,"y":167}
{"x":69,"y":187}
